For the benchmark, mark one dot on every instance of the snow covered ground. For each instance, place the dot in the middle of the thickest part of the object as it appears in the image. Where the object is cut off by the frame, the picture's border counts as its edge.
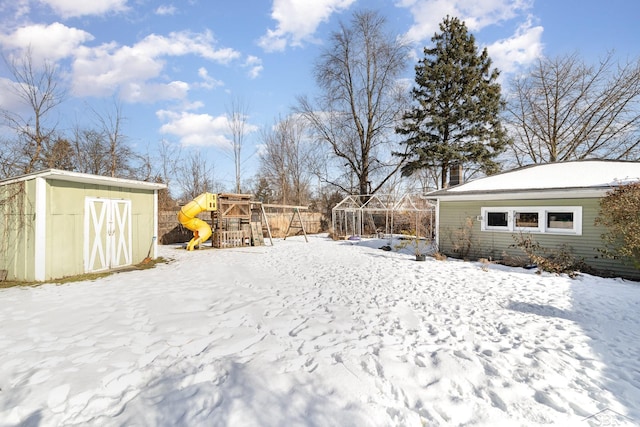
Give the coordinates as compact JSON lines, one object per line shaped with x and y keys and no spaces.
{"x":321,"y":334}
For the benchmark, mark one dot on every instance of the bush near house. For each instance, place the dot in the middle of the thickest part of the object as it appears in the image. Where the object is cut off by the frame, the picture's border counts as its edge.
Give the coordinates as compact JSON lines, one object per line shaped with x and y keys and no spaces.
{"x":557,"y":260}
{"x":462,"y":239}
{"x":620,"y":214}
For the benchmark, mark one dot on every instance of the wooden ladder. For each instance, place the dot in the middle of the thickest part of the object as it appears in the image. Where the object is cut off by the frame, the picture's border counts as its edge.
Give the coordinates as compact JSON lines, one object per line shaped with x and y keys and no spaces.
{"x":256,"y":234}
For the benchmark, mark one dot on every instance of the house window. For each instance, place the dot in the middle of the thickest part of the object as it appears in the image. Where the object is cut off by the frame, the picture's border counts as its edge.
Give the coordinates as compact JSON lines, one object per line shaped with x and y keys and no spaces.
{"x":497,"y":219}
{"x":560,"y":220}
{"x":533,"y":219}
{"x":526,"y":219}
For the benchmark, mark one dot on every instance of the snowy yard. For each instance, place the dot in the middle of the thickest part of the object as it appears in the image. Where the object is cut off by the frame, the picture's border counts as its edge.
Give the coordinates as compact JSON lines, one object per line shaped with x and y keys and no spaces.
{"x":321,"y":334}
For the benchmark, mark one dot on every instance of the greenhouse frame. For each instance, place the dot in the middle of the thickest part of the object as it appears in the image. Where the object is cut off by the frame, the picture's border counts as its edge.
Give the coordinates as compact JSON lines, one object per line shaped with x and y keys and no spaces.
{"x":383,"y":215}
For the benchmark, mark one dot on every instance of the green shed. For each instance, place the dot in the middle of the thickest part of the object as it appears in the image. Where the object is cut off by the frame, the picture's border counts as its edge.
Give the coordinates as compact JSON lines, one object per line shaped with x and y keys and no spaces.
{"x":555,"y":203}
{"x":58,"y":223}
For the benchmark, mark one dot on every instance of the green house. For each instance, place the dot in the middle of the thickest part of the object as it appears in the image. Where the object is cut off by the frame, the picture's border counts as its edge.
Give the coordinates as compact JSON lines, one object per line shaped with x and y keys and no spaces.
{"x":58,"y":223}
{"x":556,"y":204}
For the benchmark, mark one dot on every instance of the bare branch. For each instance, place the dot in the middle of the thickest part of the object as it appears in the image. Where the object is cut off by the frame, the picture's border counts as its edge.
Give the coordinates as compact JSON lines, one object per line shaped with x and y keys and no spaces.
{"x":358,"y":108}
{"x":287,"y":160}
{"x":237,"y":115}
{"x":37,"y":87}
{"x":566,"y":110}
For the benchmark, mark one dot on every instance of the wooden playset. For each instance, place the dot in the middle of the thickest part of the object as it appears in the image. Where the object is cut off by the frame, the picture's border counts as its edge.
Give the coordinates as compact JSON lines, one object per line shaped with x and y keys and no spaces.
{"x":236,"y":220}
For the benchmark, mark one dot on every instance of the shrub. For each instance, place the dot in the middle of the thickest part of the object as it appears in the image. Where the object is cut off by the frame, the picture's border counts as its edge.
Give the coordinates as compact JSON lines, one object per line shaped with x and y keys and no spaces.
{"x":557,"y":260}
{"x":440,"y":256}
{"x":462,"y":240}
{"x":620,"y":214}
{"x":411,"y":239}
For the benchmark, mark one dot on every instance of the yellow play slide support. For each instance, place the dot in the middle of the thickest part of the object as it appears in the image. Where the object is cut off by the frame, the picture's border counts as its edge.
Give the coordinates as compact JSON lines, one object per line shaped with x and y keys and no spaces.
{"x":187,"y":217}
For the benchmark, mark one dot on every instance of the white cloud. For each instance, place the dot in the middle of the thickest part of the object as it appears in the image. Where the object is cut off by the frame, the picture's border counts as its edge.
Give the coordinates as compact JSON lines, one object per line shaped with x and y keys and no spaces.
{"x":14,"y":10}
{"x":9,"y":98}
{"x":195,"y":105}
{"x":428,"y":14}
{"x":103,"y":69}
{"x":52,"y":42}
{"x":182,"y":43}
{"x":166,"y":10}
{"x":150,"y":92}
{"x":201,"y":130}
{"x":255,"y":66}
{"x":516,"y":52}
{"x":508,"y":54}
{"x":208,"y":82}
{"x":74,"y":8}
{"x":297,"y":20}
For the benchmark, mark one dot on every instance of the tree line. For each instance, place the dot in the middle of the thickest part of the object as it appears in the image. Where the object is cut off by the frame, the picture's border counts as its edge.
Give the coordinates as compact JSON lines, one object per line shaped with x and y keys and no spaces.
{"x":368,"y":130}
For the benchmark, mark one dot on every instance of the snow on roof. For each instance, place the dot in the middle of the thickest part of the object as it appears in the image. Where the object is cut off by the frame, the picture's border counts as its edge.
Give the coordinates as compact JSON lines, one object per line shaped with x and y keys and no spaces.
{"x":578,"y":174}
{"x":85,"y":178}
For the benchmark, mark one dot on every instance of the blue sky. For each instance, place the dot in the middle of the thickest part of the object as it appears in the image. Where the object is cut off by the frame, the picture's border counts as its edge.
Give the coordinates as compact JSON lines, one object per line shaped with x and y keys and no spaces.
{"x":178,"y":66}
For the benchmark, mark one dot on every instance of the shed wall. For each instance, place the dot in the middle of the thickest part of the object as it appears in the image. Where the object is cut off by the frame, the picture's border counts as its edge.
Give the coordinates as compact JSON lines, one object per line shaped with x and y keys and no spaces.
{"x":64,"y":226}
{"x":453,"y":215}
{"x":17,"y":228}
{"x":65,"y":223}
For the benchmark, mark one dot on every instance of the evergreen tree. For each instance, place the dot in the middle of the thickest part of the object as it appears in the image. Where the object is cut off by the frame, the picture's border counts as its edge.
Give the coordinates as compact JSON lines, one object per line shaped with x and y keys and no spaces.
{"x":456,"y":116}
{"x":263,"y":192}
{"x":59,"y":155}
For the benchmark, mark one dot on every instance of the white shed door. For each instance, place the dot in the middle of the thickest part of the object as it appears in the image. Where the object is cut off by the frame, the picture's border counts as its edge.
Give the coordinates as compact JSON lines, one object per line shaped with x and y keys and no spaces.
{"x":107,"y":233}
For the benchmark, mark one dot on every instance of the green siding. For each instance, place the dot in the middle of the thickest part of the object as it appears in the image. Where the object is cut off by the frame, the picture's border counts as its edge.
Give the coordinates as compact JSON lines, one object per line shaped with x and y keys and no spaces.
{"x":65,"y":223}
{"x":17,"y":220}
{"x":64,"y":226}
{"x":496,"y":244}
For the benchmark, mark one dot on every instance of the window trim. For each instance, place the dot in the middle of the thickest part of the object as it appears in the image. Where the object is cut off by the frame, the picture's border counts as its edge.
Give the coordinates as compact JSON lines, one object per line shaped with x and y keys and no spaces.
{"x":485,"y":217}
{"x":542,"y":211}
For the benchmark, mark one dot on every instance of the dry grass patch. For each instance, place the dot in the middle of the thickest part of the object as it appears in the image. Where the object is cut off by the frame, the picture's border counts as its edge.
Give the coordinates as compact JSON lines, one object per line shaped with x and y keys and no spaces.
{"x":88,"y":276}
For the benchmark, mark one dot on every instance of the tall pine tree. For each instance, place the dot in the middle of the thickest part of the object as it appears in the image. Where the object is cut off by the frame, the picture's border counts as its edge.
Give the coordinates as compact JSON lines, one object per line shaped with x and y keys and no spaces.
{"x":456,"y":116}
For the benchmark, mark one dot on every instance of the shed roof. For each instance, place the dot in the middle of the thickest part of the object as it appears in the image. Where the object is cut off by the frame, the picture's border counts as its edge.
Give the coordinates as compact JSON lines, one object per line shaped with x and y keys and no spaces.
{"x":581,"y":178}
{"x":85,"y":178}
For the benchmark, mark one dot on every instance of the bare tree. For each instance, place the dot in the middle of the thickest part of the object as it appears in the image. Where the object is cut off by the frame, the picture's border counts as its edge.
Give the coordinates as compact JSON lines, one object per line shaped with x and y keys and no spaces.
{"x":7,"y":160}
{"x":237,"y":114}
{"x":273,"y":163}
{"x":195,"y":176}
{"x":166,"y":162}
{"x":162,"y":165}
{"x":566,"y":110}
{"x":103,"y":149}
{"x":286,"y":160}
{"x":119,"y":155}
{"x":36,"y":85}
{"x":12,"y":159}
{"x":89,"y":151}
{"x":360,"y":102}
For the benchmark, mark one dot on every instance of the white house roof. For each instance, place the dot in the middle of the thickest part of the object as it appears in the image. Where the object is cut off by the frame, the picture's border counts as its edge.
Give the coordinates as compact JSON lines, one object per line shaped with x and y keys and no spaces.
{"x":85,"y":178}
{"x":580,"y":177}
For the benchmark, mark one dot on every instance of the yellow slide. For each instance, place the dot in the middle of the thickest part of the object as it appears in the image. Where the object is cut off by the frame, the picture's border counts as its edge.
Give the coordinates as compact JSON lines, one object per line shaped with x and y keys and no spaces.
{"x":187,"y":217}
